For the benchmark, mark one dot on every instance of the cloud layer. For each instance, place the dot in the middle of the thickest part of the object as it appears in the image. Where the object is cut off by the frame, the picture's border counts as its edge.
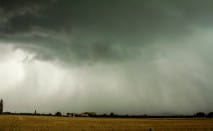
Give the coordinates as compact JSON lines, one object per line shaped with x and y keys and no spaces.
{"x":121,"y":56}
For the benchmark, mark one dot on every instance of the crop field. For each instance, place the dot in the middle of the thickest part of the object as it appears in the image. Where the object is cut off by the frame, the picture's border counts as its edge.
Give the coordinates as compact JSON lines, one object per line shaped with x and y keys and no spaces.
{"x":51,"y":123}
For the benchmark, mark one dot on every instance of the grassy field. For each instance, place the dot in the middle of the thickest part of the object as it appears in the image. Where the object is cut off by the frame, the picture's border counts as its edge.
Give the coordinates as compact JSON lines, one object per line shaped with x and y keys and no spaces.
{"x":50,"y":123}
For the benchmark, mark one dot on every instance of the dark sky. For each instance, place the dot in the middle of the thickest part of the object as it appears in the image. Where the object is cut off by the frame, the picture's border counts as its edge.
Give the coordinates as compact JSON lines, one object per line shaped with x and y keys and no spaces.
{"x":122,"y":56}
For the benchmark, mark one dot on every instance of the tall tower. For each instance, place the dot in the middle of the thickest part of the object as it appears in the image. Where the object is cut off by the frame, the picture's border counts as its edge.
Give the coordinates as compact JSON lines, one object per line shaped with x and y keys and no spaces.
{"x":1,"y":106}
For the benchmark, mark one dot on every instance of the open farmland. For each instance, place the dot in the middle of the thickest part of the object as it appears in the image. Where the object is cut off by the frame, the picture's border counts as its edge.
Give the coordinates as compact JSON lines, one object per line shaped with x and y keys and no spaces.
{"x":50,"y":123}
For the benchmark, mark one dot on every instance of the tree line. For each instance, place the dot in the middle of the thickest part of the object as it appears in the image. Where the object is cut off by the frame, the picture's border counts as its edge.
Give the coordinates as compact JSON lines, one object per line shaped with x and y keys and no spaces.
{"x":113,"y":115}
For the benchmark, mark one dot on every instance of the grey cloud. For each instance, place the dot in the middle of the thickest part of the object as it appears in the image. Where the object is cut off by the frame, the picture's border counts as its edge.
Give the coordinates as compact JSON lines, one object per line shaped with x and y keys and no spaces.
{"x":112,"y":55}
{"x":18,"y":16}
{"x":83,"y":26}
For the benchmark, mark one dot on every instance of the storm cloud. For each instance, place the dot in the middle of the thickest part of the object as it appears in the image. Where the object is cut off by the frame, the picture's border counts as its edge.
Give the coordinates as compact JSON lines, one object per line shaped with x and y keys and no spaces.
{"x":138,"y":56}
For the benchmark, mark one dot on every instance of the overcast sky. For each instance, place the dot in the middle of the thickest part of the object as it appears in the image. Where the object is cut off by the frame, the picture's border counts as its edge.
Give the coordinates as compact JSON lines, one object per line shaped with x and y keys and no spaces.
{"x":121,"y":56}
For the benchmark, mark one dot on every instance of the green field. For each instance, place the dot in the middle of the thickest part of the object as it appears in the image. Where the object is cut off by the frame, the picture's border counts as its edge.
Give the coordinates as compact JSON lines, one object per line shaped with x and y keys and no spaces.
{"x":50,"y":123}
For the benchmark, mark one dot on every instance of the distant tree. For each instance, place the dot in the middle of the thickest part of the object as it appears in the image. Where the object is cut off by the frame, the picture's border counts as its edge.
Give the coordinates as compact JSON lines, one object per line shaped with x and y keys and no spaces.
{"x":145,"y":115}
{"x":1,"y":106}
{"x":112,"y":114}
{"x":58,"y":114}
{"x":210,"y":114}
{"x":200,"y":114}
{"x":126,"y":115}
{"x":91,"y":114}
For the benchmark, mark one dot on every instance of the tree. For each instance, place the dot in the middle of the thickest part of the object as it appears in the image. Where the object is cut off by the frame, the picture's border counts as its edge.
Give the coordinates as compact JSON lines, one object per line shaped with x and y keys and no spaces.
{"x":112,"y":114}
{"x":200,"y":114}
{"x":58,"y":114}
{"x":210,"y":114}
